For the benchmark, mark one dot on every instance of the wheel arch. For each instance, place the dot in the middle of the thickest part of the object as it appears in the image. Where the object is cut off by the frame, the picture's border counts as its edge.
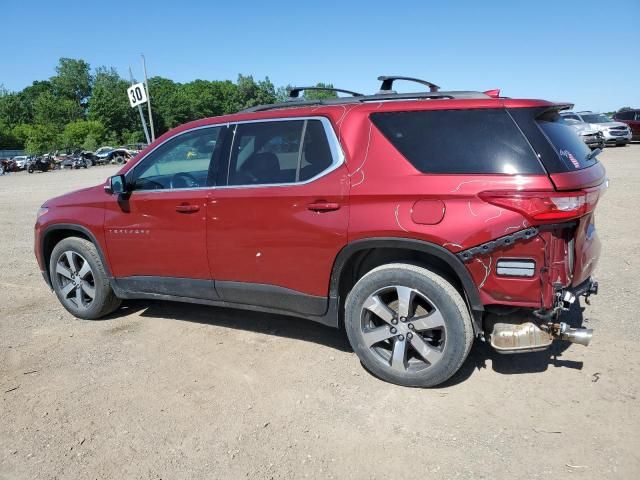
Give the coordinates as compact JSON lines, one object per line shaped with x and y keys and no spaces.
{"x":353,"y":257}
{"x":53,"y":234}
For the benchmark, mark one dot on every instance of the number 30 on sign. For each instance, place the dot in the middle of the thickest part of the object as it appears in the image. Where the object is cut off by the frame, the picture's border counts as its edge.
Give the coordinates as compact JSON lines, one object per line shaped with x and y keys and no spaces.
{"x":137,"y":94}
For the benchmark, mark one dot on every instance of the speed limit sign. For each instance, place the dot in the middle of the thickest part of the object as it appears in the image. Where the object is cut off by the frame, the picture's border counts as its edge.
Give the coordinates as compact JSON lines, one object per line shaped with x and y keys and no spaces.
{"x":137,"y":94}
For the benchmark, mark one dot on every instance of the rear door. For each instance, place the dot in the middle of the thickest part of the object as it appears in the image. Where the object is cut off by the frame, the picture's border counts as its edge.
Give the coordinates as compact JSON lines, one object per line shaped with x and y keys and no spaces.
{"x":277,"y":224}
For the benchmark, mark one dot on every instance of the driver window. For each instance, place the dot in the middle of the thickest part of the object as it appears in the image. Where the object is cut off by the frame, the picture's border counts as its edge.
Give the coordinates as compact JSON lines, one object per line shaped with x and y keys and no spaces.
{"x":182,"y":162}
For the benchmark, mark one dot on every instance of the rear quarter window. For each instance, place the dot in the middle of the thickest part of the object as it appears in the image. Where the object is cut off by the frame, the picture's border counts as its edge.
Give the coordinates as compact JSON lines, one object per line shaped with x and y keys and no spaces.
{"x":573,"y":152}
{"x":481,"y":141}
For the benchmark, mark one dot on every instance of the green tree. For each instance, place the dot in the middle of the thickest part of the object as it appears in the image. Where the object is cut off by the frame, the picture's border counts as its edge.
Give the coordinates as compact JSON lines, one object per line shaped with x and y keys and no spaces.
{"x":251,"y":93}
{"x":109,"y":104}
{"x":320,"y":94}
{"x":169,"y":103}
{"x":41,"y":139}
{"x":56,"y":111}
{"x":75,"y":134}
{"x":73,"y":80}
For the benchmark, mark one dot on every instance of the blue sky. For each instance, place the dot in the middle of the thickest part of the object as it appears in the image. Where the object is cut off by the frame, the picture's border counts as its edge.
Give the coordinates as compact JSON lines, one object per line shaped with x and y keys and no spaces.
{"x":584,"y":52}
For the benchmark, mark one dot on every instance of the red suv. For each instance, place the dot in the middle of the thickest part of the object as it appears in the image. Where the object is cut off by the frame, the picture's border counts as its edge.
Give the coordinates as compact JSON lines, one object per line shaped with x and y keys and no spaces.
{"x":408,"y":219}
{"x":632,"y":118}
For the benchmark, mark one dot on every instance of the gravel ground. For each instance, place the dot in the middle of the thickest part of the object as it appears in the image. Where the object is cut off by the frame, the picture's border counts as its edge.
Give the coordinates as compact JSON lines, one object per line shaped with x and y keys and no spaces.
{"x":164,"y":390}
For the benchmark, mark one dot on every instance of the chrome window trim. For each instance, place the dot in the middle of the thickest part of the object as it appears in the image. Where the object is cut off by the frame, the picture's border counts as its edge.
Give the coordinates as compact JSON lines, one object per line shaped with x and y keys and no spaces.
{"x":337,"y":154}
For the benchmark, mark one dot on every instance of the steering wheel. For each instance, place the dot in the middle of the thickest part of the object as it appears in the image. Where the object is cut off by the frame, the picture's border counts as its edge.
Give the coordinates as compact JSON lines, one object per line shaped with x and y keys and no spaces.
{"x":183,"y":180}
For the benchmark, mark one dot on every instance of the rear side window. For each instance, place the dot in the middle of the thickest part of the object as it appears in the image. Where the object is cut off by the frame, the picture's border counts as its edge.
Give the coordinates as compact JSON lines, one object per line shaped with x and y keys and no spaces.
{"x":265,"y":153}
{"x":278,"y":152}
{"x":573,"y":152}
{"x":482,"y":141}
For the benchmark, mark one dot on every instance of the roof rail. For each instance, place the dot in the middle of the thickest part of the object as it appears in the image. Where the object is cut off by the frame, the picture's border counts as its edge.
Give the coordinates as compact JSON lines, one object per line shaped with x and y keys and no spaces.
{"x":295,"y":91}
{"x":387,"y":83}
{"x":380,"y":97}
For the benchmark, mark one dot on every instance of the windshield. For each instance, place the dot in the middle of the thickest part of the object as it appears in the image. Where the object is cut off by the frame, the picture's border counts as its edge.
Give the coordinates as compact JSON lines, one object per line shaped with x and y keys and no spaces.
{"x":596,"y":118}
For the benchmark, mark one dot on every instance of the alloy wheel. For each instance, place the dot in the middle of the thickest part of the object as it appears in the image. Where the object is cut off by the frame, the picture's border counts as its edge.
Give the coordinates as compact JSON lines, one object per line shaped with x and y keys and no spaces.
{"x":403,"y":328}
{"x":75,"y":279}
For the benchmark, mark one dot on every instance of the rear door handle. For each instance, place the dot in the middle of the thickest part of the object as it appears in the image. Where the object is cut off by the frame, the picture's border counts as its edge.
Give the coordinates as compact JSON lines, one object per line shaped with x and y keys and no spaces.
{"x":323,"y":206}
{"x":187,"y":208}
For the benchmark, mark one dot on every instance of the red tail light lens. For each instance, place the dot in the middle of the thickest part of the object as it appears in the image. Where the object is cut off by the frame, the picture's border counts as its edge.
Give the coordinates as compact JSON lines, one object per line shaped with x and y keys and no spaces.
{"x":544,"y":207}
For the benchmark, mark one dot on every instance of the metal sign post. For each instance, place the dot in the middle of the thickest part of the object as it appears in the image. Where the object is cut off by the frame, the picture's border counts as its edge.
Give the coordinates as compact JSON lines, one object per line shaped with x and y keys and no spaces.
{"x":146,"y":84}
{"x":144,"y":123}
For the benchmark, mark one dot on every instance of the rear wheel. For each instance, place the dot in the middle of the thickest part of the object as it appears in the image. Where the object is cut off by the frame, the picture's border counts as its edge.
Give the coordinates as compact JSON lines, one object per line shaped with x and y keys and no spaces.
{"x":80,"y":280}
{"x":408,"y":325}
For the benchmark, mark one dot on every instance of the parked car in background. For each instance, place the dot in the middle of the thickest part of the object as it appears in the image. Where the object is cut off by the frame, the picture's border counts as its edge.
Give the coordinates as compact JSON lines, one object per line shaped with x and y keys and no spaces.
{"x":593,"y":137}
{"x":42,"y":164}
{"x":135,"y":147}
{"x":119,"y":156}
{"x":631,"y":118}
{"x":615,"y":133}
{"x":465,"y":215}
{"x":21,"y":161}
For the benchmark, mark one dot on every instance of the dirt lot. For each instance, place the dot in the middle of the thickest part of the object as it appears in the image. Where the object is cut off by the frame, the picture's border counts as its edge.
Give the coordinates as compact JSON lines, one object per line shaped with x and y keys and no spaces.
{"x":169,"y":391}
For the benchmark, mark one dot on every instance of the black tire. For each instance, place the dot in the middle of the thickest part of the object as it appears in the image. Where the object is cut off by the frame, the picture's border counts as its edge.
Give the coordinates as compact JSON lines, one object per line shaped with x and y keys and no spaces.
{"x":104,"y":300}
{"x":455,"y":342}
{"x":30,"y":169}
{"x":119,"y":160}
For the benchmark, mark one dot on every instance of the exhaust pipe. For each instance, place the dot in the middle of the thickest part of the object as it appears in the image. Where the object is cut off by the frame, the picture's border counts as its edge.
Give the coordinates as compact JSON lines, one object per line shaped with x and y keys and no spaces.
{"x":576,"y":335}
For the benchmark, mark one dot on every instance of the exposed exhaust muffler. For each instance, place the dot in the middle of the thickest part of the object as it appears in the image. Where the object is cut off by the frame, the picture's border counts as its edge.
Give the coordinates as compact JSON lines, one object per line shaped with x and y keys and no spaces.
{"x":576,"y":335}
{"x":530,"y":337}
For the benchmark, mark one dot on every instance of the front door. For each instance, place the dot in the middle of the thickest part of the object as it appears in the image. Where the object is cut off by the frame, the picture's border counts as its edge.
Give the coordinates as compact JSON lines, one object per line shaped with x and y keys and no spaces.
{"x":277,"y":224}
{"x":156,"y":234}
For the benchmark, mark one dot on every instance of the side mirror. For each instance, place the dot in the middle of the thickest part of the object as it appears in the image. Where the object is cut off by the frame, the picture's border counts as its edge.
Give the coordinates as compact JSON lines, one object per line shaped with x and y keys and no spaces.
{"x":116,"y":185}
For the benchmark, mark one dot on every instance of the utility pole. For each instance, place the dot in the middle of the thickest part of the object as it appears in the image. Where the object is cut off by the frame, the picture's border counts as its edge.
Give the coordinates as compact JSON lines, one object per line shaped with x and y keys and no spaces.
{"x":146,"y":85}
{"x":144,"y":123}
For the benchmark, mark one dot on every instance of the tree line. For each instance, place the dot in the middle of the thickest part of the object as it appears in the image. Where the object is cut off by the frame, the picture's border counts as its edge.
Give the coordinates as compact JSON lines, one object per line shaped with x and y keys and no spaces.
{"x":81,"y":108}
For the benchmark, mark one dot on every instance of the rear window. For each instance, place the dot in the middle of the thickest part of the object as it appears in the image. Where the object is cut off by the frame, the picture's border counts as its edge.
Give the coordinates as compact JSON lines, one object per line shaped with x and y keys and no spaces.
{"x":482,"y":141}
{"x":573,"y":152}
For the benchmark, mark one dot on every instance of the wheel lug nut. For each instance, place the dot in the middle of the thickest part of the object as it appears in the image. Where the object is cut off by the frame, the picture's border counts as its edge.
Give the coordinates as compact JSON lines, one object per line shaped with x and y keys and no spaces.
{"x":403,"y":319}
{"x":401,"y":337}
{"x":409,"y":336}
{"x":411,"y":327}
{"x":393,"y":330}
{"x":394,"y":321}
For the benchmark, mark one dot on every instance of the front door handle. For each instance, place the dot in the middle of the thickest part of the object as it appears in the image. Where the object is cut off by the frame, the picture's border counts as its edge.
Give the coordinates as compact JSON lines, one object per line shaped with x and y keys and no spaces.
{"x":323,"y":206}
{"x":187,"y":208}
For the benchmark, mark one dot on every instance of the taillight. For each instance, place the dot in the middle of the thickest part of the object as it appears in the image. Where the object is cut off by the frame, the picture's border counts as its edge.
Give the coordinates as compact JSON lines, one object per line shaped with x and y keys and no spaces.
{"x":544,"y":207}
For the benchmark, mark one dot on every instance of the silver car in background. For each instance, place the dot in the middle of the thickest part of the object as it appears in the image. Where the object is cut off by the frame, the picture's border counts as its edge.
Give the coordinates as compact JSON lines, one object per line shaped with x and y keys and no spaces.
{"x":21,"y":161}
{"x":615,"y":133}
{"x":593,"y":137}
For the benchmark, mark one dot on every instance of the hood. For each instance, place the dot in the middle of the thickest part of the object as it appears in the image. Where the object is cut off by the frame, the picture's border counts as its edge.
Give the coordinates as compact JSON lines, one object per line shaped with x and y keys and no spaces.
{"x":604,"y":126}
{"x":84,"y":196}
{"x":584,"y":128}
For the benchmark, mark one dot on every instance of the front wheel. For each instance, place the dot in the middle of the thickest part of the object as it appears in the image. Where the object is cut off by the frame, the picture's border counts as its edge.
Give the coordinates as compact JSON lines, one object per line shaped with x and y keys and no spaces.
{"x":80,"y":279}
{"x":408,"y":325}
